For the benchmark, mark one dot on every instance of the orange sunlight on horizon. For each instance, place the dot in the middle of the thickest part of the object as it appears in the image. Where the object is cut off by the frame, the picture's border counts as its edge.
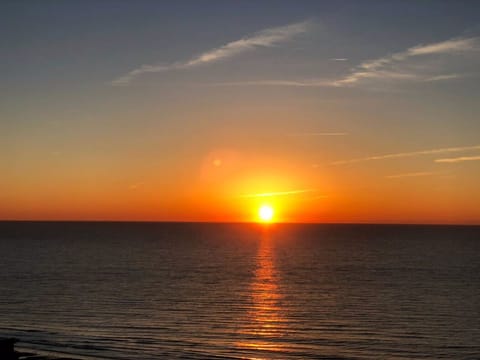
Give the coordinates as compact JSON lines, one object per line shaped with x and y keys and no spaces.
{"x":266,"y":213}
{"x":232,"y":187}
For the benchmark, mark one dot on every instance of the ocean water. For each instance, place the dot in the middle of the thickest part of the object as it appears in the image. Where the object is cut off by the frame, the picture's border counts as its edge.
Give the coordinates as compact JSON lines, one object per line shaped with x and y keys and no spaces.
{"x":241,"y":291}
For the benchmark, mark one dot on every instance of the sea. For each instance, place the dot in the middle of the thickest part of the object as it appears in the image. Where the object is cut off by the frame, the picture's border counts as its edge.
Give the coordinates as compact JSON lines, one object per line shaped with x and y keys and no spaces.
{"x":119,"y":290}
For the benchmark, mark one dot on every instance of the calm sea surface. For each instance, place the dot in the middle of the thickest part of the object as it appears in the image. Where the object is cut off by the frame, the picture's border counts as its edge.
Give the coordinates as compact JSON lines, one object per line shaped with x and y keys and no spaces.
{"x":231,"y":291}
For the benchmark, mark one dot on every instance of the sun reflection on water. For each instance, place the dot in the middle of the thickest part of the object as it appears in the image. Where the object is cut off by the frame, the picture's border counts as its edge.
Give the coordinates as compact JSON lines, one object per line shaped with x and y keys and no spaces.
{"x":265,"y":319}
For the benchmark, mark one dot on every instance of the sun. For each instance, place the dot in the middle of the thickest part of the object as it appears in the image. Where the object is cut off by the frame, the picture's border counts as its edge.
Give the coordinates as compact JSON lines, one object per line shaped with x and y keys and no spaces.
{"x":265,"y":213}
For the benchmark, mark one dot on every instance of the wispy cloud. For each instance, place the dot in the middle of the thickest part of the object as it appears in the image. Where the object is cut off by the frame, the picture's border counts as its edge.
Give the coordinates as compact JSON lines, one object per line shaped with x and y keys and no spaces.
{"x":448,"y":46}
{"x":396,"y":66}
{"x":458,"y":159}
{"x":298,"y":83}
{"x":416,"y":174}
{"x":444,"y":77}
{"x":320,"y":134}
{"x":265,"y":38}
{"x":279,"y":193}
{"x":411,"y":65}
{"x":408,"y":154}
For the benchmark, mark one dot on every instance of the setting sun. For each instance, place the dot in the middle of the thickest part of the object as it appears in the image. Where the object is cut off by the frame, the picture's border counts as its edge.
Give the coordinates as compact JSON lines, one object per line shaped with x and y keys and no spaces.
{"x":265,"y":213}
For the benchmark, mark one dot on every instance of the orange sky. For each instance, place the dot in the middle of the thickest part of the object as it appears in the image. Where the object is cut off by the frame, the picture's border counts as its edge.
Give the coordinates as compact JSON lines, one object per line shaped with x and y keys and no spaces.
{"x":169,"y":118}
{"x":227,"y":186}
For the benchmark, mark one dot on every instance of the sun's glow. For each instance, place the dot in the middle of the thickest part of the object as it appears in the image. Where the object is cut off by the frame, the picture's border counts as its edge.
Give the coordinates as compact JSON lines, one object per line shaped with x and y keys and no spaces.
{"x":265,"y":213}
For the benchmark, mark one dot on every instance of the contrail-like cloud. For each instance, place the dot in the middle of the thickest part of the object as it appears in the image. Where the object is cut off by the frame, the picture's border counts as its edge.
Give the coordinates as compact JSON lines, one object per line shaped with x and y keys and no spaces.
{"x":320,"y":134}
{"x":390,"y":67}
{"x":444,"y":77}
{"x":297,"y":83}
{"x":448,"y":46}
{"x":416,"y":174}
{"x":395,"y":67}
{"x":408,"y":154}
{"x":265,"y":38}
{"x":458,"y":159}
{"x":279,"y":193}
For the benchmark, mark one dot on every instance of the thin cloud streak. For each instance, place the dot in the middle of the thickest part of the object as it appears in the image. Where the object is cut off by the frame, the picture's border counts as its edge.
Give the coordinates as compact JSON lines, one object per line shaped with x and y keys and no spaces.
{"x":394,"y":67}
{"x":298,"y":83}
{"x":279,"y":193}
{"x":397,"y":176}
{"x":444,"y":77}
{"x":407,"y":154}
{"x":458,"y":159}
{"x":448,"y":46}
{"x":387,"y":67}
{"x":265,"y":38}
{"x":320,"y":134}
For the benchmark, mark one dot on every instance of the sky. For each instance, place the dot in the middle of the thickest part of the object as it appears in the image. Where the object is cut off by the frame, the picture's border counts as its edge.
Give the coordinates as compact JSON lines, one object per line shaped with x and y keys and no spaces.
{"x":328,"y":111}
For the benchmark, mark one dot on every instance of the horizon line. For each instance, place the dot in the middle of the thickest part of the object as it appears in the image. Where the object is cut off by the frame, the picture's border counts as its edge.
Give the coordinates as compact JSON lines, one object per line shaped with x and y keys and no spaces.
{"x":240,"y":222}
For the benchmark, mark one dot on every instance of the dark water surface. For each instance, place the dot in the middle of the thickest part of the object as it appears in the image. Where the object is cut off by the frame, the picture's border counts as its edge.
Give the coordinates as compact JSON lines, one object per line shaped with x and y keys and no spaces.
{"x":237,"y":291}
